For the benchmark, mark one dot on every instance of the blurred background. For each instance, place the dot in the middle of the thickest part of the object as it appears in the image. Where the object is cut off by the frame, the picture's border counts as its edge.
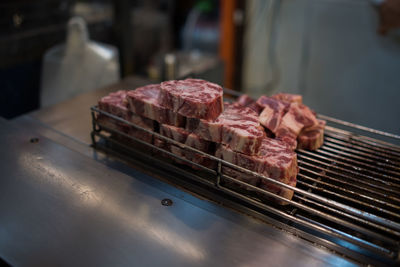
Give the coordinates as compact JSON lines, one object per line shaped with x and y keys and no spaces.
{"x":343,"y":56}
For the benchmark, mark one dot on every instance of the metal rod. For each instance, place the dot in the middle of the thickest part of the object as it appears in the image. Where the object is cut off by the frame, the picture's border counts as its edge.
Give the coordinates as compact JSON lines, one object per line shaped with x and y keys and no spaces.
{"x":378,"y":154}
{"x":342,"y":196}
{"x":302,"y":222}
{"x":354,"y":142}
{"x":364,"y":139}
{"x":383,"y":195}
{"x":350,"y":166}
{"x":318,"y":212}
{"x":344,"y":181}
{"x":367,"y":232}
{"x":330,"y":166}
{"x":364,"y":165}
{"x":378,"y":159}
{"x":361,"y":159}
{"x":356,"y":126}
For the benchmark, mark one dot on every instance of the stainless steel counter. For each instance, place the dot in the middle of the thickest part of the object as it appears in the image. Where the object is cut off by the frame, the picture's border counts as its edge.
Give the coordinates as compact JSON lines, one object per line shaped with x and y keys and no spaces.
{"x":63,"y":203}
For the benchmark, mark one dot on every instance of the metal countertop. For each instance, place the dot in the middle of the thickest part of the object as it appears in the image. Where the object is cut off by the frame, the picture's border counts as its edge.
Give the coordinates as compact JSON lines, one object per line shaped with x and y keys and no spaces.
{"x":63,"y":203}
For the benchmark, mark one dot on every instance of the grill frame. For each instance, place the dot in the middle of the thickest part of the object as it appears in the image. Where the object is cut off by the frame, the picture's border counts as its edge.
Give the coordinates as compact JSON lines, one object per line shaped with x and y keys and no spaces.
{"x":297,"y":218}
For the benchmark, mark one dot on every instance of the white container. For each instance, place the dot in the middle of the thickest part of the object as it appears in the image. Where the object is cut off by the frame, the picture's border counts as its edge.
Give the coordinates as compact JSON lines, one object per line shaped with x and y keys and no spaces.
{"x":78,"y":66}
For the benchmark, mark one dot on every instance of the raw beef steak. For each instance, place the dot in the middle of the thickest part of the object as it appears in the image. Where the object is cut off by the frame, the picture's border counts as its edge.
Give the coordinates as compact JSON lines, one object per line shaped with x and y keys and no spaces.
{"x":144,"y":101}
{"x":237,"y":127}
{"x":192,"y":98}
{"x":116,"y":104}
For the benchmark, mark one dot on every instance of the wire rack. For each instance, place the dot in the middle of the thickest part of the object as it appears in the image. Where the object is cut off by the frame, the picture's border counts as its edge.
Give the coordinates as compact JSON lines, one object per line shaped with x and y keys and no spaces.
{"x":347,"y":197}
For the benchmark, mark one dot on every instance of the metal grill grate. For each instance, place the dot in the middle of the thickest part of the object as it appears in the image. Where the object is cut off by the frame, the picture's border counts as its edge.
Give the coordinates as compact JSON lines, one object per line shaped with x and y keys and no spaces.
{"x":347,"y":196}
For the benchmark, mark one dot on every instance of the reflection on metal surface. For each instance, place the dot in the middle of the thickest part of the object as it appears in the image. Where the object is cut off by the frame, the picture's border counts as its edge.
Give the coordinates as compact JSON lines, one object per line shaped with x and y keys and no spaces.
{"x":157,"y":232}
{"x":59,"y":207}
{"x":88,"y":197}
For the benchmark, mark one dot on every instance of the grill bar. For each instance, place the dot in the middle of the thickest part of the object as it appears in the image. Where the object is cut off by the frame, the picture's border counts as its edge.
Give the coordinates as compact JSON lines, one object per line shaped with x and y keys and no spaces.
{"x":323,"y":214}
{"x":389,"y":155}
{"x":344,"y":173}
{"x":349,"y":166}
{"x":360,"y":127}
{"x":363,"y":165}
{"x":363,"y":206}
{"x":386,"y":157}
{"x":354,"y":194}
{"x":313,"y":186}
{"x":324,"y":172}
{"x":360,"y":160}
{"x":360,"y":155}
{"x":363,"y":140}
{"x":359,"y":229}
{"x":298,"y":219}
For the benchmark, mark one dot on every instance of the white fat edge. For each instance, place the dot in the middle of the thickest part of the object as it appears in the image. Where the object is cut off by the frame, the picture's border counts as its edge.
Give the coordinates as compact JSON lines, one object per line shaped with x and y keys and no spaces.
{"x":290,"y":122}
{"x":214,"y":130}
{"x":149,"y":111}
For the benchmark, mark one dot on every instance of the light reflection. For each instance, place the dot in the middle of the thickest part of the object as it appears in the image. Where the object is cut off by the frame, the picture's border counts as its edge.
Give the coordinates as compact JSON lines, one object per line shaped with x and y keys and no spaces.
{"x":157,"y":232}
{"x":138,"y":220}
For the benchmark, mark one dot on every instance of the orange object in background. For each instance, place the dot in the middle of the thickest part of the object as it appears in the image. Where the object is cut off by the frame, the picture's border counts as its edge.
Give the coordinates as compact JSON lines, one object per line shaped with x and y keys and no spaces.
{"x":227,"y":41}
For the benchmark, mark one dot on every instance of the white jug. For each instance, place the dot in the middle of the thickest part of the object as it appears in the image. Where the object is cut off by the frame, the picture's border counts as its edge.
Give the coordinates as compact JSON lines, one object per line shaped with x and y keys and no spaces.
{"x":78,"y":66}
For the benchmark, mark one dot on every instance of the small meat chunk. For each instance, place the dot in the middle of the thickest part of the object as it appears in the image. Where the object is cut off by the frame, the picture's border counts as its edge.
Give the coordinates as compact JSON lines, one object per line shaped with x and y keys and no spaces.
{"x":312,"y":137}
{"x":247,"y":101}
{"x":272,"y":112}
{"x":298,"y":117}
{"x":288,"y":98}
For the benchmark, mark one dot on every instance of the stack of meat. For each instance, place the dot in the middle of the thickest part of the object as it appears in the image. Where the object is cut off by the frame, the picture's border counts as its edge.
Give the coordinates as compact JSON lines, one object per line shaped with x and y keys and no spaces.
{"x":192,"y":112}
{"x":286,"y":118}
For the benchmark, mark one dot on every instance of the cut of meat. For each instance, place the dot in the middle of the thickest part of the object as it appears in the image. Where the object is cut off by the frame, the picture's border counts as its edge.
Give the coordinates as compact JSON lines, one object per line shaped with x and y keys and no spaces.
{"x":190,"y":139}
{"x":237,"y":127}
{"x":247,"y":101}
{"x":192,"y":98}
{"x":272,"y":113}
{"x":289,"y":98}
{"x":195,"y":141}
{"x":312,"y":137}
{"x":144,"y":101}
{"x":298,"y":117}
{"x":207,"y":130}
{"x":116,"y":104}
{"x":275,"y":160}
